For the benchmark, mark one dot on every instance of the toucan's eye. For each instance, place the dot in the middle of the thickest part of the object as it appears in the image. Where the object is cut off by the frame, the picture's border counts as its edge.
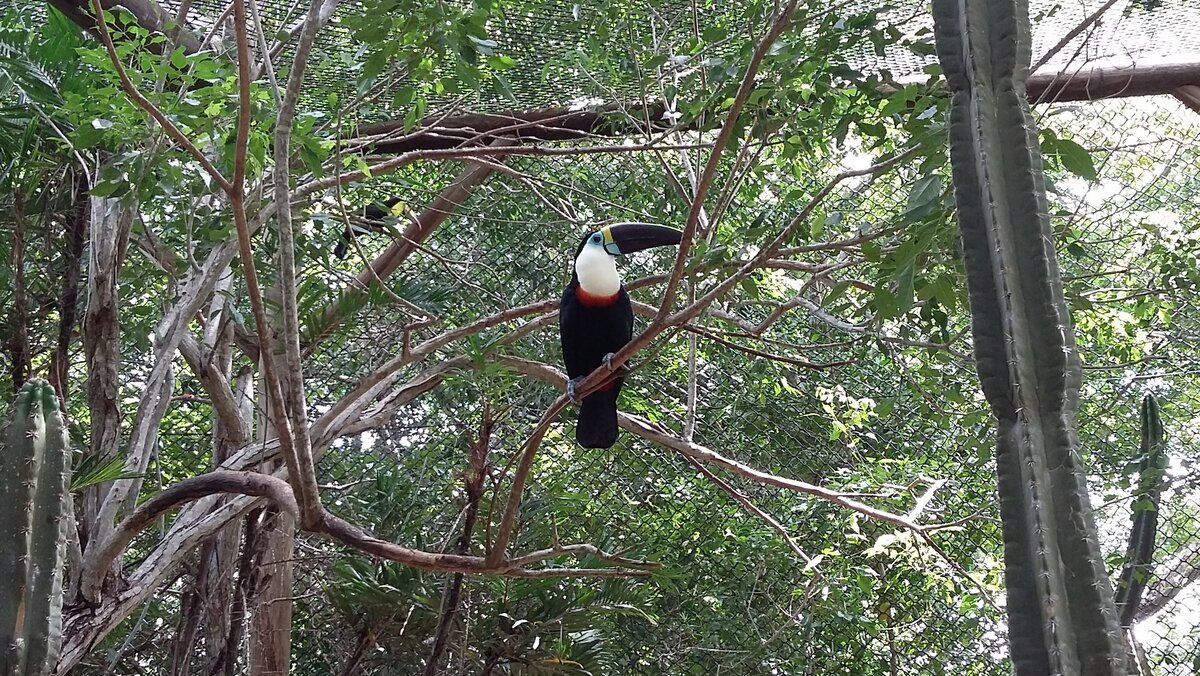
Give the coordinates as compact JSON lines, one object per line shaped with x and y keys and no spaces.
{"x":596,"y":238}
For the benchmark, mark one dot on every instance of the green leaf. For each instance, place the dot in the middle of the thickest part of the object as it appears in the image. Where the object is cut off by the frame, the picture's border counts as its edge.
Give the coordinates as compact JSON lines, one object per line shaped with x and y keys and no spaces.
{"x":106,"y":187}
{"x":1076,"y":159}
{"x":750,"y":287}
{"x":835,"y":292}
{"x":885,"y":303}
{"x":179,"y":58}
{"x":904,"y":290}
{"x":501,"y":62}
{"x":714,"y":34}
{"x":924,"y":195}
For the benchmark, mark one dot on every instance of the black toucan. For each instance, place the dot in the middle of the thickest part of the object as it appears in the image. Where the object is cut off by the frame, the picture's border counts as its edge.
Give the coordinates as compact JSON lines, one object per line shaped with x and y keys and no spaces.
{"x":373,"y":216}
{"x":595,"y":320}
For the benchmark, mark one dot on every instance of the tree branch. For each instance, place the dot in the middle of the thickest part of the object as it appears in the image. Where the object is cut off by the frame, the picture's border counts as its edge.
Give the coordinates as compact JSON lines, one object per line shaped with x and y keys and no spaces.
{"x":293,"y":405}
{"x":188,"y":490}
{"x":542,"y":124}
{"x":447,"y":201}
{"x":781,"y":22}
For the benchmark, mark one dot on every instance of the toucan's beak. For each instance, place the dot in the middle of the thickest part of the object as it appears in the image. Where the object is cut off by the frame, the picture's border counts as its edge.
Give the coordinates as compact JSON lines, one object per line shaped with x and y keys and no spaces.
{"x":626,"y":238}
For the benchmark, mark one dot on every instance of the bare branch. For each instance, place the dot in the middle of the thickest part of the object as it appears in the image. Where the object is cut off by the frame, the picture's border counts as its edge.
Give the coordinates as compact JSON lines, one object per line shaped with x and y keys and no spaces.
{"x":303,"y":473}
{"x":1099,"y":82}
{"x":925,"y":499}
{"x":188,"y":490}
{"x":745,"y":502}
{"x":652,"y":432}
{"x":529,"y":451}
{"x":593,"y":380}
{"x":148,"y":14}
{"x":781,"y":22}
{"x":405,"y":159}
{"x":219,"y":392}
{"x":547,"y":124}
{"x":435,"y":213}
{"x":236,"y":193}
{"x":1072,"y":34}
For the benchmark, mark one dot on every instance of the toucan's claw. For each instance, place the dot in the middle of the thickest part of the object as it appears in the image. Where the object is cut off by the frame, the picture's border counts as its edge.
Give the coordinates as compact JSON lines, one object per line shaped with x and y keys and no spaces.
{"x":621,"y":370}
{"x":571,"y":389}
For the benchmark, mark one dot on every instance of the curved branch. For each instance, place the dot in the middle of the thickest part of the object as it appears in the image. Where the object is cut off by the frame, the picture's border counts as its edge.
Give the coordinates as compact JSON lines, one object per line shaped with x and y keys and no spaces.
{"x":652,"y":432}
{"x":218,"y":481}
{"x":280,"y":492}
{"x":698,"y":454}
{"x":518,"y":483}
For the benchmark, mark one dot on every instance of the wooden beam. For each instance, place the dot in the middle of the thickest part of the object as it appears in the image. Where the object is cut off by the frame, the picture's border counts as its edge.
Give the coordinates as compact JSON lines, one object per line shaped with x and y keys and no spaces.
{"x":562,"y":124}
{"x":1107,"y":82}
{"x":540,"y":124}
{"x":1189,"y":95}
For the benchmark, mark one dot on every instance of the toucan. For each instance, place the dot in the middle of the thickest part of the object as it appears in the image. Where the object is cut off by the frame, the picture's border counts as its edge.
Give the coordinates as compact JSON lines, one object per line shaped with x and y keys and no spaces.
{"x":373,"y":216}
{"x":595,"y":320}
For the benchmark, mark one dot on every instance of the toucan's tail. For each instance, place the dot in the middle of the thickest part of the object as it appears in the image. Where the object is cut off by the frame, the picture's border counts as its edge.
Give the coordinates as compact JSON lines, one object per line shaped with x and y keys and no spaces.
{"x":597,"y":426}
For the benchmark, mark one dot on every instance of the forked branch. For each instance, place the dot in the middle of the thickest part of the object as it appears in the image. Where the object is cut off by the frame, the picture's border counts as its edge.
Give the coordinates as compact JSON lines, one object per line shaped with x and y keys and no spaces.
{"x":280,"y":493}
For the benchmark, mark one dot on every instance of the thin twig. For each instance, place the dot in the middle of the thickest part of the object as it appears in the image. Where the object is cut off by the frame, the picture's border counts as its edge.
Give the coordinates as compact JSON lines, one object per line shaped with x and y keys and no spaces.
{"x":238,"y":204}
{"x":781,"y":22}
{"x":293,"y":386}
{"x":1072,"y":34}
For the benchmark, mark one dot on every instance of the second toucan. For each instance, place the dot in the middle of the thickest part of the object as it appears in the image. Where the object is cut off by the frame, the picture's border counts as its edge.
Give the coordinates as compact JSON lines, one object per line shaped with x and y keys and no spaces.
{"x":595,"y":320}
{"x":373,"y":219}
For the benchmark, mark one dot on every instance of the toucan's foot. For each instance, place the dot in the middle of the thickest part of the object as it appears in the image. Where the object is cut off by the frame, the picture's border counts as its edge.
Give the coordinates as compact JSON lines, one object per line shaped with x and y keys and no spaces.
{"x":622,"y":369}
{"x":571,"y":389}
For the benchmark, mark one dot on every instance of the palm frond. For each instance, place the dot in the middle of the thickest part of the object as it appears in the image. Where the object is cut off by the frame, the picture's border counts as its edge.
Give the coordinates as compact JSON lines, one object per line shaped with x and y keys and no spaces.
{"x":95,"y":469}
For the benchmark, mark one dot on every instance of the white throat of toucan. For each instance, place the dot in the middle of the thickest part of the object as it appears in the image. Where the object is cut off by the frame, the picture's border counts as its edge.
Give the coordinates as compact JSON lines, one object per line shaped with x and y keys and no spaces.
{"x":596,"y":268}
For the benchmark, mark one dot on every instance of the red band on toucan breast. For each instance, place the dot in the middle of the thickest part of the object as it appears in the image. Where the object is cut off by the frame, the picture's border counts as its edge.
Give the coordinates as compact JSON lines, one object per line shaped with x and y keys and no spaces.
{"x":592,"y":300}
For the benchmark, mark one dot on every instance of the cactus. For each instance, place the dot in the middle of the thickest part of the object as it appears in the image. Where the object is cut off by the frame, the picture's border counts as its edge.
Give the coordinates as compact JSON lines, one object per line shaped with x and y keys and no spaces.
{"x":1061,"y":613}
{"x":34,"y":465}
{"x":1152,"y":478}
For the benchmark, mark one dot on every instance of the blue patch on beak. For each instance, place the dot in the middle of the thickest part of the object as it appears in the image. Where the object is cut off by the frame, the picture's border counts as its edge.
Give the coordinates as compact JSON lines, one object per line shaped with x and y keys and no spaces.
{"x":609,"y":245}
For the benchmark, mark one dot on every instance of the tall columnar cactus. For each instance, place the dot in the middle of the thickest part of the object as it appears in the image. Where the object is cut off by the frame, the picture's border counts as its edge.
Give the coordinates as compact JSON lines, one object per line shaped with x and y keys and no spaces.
{"x":34,"y":463}
{"x":1152,"y":479}
{"x":1061,"y":617}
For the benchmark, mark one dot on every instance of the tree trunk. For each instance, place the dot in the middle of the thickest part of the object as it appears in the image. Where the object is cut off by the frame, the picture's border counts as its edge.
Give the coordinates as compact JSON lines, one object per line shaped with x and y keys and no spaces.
{"x":109,"y":225}
{"x":184,"y":644}
{"x":218,"y":556}
{"x":271,"y":622}
{"x":68,"y":301}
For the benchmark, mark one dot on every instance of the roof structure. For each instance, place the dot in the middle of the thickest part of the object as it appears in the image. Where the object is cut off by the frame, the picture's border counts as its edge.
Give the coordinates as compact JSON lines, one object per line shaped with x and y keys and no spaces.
{"x":550,"y":43}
